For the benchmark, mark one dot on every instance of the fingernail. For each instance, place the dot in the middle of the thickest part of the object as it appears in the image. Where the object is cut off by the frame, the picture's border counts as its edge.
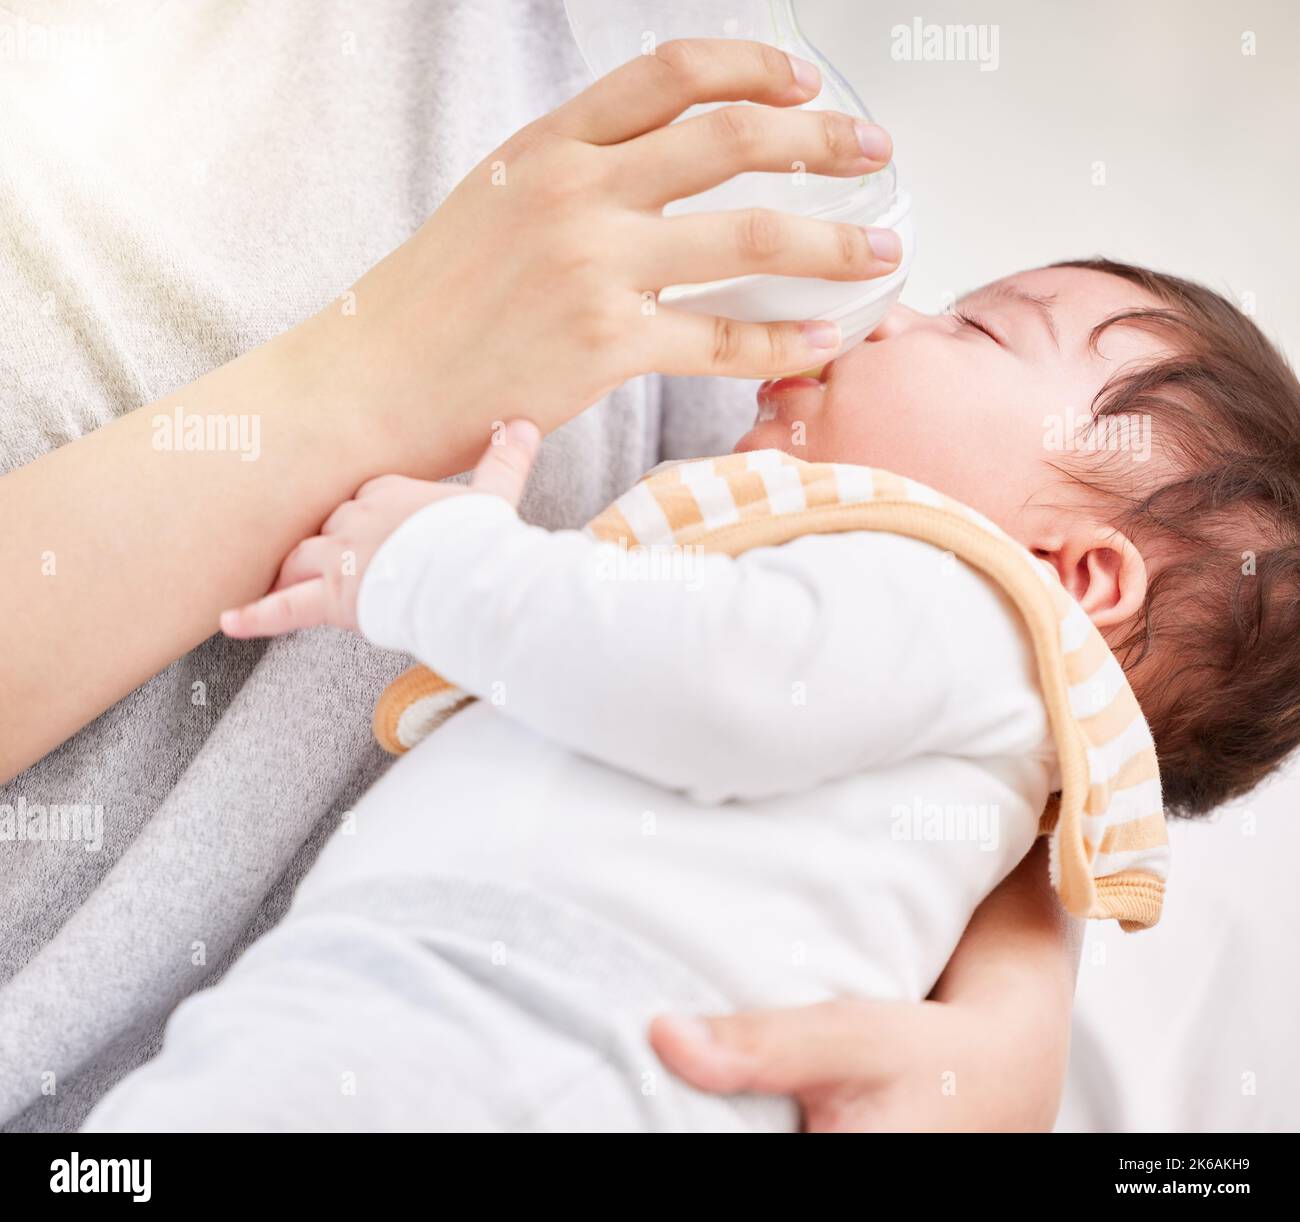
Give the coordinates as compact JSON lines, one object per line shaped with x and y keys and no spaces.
{"x":697,"y":1030}
{"x":820,"y":335}
{"x":228,"y":620}
{"x":523,"y":432}
{"x":885,"y":244}
{"x":809,"y":78}
{"x":874,"y":140}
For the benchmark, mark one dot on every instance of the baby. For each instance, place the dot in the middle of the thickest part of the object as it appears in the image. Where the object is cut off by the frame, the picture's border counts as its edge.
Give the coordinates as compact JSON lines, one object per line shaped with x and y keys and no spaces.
{"x":693,"y":792}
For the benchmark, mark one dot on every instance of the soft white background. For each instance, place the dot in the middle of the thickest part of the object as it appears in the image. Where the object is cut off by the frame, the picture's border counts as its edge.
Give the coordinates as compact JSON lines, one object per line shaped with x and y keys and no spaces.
{"x":1176,"y":1026}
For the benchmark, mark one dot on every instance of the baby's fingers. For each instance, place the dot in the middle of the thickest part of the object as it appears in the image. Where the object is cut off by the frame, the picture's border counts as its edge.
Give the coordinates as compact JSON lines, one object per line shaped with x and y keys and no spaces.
{"x":312,"y":557}
{"x":300,"y":606}
{"x":507,"y":462}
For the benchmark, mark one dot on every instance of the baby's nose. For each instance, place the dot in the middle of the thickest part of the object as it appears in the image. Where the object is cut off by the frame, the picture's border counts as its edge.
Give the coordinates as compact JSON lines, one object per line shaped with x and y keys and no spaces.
{"x":900,"y":319}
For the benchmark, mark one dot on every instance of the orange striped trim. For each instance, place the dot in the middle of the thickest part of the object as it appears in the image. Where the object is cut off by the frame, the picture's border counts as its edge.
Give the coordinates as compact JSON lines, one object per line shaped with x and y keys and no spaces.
{"x":1135,"y":835}
{"x":680,"y":507}
{"x":886,"y":486}
{"x":1134,"y":898}
{"x":1082,"y":664}
{"x":819,"y":488}
{"x":749,"y":491}
{"x":1136,"y":770}
{"x":1113,"y":720}
{"x":612,"y":527}
{"x":412,"y":685}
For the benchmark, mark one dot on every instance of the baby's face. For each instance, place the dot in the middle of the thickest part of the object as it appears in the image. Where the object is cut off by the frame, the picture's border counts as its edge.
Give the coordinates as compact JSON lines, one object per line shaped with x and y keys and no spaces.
{"x":969,"y":413}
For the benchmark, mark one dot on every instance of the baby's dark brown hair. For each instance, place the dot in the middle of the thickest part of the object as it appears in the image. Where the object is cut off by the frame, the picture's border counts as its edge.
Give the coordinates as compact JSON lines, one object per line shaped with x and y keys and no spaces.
{"x":1215,"y":651}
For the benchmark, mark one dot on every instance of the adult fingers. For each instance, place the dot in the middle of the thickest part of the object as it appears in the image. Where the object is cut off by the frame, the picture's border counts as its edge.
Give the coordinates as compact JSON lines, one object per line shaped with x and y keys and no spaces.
{"x":686,"y":158}
{"x":653,"y":89}
{"x":786,"y":1052}
{"x":684,"y":343}
{"x":719,"y":245}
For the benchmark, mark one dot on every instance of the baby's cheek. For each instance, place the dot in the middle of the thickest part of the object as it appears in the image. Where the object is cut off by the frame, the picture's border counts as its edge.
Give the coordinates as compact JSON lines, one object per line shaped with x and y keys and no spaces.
{"x":890,"y":434}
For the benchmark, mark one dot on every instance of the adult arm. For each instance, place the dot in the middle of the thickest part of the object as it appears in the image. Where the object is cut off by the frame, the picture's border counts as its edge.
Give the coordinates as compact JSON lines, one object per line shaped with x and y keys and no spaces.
{"x":116,"y":555}
{"x":522,"y":296}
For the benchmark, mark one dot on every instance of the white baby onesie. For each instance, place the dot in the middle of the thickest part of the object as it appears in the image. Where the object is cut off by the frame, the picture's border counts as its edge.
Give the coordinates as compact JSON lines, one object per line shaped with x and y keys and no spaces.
{"x":798,"y":771}
{"x":728,"y":782}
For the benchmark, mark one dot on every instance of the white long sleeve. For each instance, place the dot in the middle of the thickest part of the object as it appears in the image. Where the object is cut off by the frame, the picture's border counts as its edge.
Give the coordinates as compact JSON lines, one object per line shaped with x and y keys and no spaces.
{"x":764,"y":674}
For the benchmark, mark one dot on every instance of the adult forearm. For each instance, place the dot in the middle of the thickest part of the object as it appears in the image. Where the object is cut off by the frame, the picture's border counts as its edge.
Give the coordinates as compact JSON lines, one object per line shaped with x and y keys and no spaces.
{"x":1017,"y":963}
{"x":120,"y":549}
{"x":1020,"y":930}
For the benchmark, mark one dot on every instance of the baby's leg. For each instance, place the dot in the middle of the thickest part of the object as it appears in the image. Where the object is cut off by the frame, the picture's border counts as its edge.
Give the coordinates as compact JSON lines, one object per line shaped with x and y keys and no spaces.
{"x":340,"y":1022}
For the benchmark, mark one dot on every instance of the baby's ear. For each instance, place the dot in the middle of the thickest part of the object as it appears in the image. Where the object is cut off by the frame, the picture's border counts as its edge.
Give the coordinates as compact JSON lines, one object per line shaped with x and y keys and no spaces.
{"x":1103,"y":571}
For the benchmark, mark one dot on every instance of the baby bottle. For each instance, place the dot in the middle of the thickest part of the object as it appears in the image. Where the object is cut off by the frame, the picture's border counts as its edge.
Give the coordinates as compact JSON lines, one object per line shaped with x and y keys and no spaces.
{"x":611,"y":32}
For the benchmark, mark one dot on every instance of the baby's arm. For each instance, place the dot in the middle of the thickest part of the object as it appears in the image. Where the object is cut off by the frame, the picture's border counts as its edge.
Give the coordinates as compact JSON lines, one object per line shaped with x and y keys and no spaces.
{"x":767,"y":673}
{"x":744,"y":677}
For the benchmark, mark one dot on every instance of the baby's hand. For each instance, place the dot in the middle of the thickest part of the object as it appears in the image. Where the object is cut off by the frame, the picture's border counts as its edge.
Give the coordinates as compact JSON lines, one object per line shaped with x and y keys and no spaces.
{"x":320,"y":578}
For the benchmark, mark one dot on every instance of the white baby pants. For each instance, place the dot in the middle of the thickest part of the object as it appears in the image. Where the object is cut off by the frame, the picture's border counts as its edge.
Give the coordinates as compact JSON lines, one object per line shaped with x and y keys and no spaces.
{"x":427,"y":1004}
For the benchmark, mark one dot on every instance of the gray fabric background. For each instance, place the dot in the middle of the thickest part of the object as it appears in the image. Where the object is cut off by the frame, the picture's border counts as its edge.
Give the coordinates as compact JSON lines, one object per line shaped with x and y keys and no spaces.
{"x":230,"y":169}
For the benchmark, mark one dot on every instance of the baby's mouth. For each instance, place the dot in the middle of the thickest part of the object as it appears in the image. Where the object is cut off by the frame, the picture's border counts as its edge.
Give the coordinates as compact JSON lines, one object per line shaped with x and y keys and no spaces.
{"x":772,"y":394}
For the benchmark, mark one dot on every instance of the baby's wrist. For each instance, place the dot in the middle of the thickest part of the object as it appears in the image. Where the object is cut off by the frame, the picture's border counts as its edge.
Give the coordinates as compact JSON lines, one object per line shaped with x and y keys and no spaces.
{"x":434,"y":547}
